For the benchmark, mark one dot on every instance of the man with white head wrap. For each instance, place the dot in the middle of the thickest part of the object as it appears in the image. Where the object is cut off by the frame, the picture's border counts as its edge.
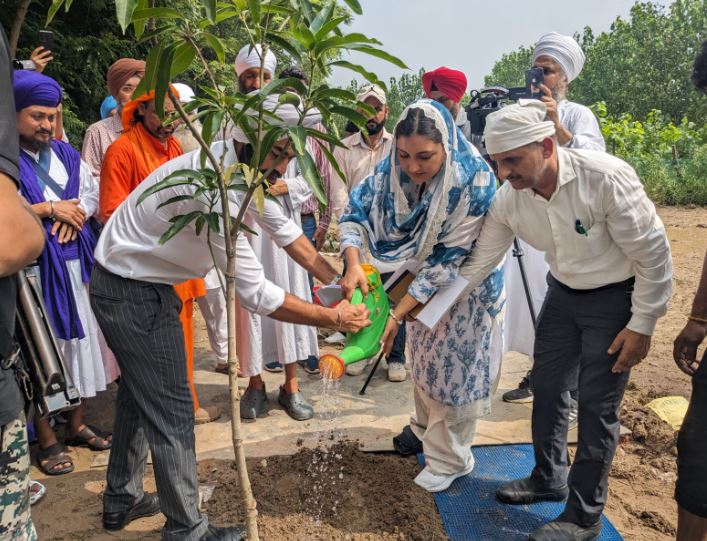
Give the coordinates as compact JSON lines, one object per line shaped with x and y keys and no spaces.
{"x":561,"y":59}
{"x":248,"y":65}
{"x":609,"y":282}
{"x":132,"y":294}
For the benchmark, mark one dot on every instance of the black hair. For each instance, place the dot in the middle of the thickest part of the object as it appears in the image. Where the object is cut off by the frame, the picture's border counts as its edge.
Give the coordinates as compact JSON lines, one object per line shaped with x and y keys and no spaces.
{"x":699,"y":71}
{"x":293,"y":71}
{"x":416,"y":123}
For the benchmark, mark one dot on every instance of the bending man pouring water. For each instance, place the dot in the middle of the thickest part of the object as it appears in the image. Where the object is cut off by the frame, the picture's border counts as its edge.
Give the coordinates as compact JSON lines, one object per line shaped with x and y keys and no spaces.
{"x":609,"y":282}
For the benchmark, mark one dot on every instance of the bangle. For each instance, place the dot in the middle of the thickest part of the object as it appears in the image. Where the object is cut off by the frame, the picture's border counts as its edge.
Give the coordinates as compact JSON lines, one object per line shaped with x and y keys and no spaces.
{"x":697,"y":319}
{"x":338,"y":318}
{"x":51,"y":206}
{"x":395,"y":318}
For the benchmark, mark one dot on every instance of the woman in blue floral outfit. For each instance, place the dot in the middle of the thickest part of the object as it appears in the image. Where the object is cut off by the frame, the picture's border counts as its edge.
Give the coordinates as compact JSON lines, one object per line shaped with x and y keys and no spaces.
{"x":426,"y":202}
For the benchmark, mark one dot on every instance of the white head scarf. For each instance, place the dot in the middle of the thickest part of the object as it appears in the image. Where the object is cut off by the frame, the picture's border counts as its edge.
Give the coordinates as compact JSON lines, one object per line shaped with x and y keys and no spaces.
{"x":562,"y":49}
{"x":186,"y":94}
{"x":517,"y":125}
{"x":288,"y":116}
{"x":249,"y":57}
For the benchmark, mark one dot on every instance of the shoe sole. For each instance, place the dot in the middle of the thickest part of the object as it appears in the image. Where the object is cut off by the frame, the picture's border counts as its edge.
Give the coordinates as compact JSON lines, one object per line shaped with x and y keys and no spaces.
{"x":545,"y":497}
{"x":129,"y":520}
{"x":527,"y":400}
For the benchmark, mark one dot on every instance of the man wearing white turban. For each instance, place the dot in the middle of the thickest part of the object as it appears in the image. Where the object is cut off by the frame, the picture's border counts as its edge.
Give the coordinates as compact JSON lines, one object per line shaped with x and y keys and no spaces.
{"x":561,"y":59}
{"x":248,"y":65}
{"x":609,"y":282}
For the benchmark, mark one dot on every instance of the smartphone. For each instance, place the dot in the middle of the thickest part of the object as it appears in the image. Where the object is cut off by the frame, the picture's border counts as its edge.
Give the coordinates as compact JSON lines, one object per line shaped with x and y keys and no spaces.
{"x":534,"y":77}
{"x":46,"y":39}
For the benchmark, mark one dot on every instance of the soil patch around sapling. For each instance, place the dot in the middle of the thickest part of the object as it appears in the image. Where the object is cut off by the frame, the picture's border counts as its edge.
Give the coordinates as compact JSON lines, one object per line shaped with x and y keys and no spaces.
{"x":331,"y":493}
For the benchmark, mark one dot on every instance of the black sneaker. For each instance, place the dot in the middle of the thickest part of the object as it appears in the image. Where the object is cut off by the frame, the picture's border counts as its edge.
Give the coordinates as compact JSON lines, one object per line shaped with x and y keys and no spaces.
{"x":523,"y":394}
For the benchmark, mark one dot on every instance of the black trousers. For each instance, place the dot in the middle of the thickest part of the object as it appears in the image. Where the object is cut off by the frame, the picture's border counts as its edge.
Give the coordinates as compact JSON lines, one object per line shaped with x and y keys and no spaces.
{"x":574,"y":331}
{"x":154,"y":406}
{"x":690,"y":489}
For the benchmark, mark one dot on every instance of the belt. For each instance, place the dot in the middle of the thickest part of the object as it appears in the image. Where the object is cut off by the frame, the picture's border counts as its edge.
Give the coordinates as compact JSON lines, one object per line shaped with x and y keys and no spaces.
{"x":625,"y":284}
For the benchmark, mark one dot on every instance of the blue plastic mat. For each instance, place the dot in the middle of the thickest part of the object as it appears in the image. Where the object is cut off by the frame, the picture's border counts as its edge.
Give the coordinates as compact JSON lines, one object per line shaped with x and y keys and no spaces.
{"x":470,"y":511}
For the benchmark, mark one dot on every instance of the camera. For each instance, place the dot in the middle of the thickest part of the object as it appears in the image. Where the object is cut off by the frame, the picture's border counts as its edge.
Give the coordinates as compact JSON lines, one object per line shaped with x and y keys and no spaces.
{"x":487,"y":100}
{"x":23,"y":65}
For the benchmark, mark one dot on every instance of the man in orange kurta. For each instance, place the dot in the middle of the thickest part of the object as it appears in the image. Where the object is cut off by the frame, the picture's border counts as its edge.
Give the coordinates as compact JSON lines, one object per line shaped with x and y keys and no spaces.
{"x":144,"y":145}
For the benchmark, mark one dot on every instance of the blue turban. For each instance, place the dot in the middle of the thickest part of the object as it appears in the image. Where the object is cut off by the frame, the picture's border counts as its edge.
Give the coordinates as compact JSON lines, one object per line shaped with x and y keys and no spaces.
{"x":32,"y":88}
{"x":107,"y":106}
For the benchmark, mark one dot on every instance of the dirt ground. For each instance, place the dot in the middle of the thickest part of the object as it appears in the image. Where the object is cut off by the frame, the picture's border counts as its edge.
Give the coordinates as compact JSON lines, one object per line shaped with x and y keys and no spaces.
{"x":373,"y":499}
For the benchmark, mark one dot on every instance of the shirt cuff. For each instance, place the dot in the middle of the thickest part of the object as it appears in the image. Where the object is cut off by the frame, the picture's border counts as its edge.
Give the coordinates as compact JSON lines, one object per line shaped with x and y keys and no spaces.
{"x":642,"y":324}
{"x":271,"y":298}
{"x":288,"y":234}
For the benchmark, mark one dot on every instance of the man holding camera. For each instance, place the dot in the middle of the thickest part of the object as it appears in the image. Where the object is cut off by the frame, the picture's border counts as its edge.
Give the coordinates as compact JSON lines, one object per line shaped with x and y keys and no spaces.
{"x":22,"y":240}
{"x":609,"y":282}
{"x":561,"y":60}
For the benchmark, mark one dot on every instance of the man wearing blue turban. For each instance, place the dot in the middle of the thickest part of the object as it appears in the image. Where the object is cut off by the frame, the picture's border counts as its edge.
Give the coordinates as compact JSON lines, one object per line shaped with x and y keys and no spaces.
{"x":62,"y":192}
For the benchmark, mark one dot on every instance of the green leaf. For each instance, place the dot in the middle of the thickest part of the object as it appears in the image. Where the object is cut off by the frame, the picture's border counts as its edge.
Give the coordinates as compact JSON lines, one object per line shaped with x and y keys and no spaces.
{"x":163,"y":78}
{"x":156,"y":13}
{"x":210,"y":7}
{"x":124,"y":12}
{"x":147,"y":83}
{"x":369,"y":76}
{"x":184,"y":55}
{"x":179,"y":223}
{"x":350,"y":114}
{"x":287,"y":45}
{"x":217,"y":45}
{"x":311,"y":175}
{"x":355,"y":6}
{"x":372,"y":51}
{"x":139,"y":26}
{"x":322,"y":17}
{"x":175,"y":199}
{"x":214,"y":221}
{"x":259,"y":199}
{"x":298,"y":136}
{"x":180,"y":177}
{"x":53,"y":9}
{"x":289,"y":82}
{"x":329,"y":26}
{"x":199,"y":224}
{"x":334,"y":163}
{"x":303,"y":35}
{"x":326,"y":92}
{"x":254,"y":9}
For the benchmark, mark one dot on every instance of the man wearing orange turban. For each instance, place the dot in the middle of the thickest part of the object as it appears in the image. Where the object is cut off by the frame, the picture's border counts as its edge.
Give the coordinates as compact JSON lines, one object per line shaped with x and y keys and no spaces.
{"x":146,"y":144}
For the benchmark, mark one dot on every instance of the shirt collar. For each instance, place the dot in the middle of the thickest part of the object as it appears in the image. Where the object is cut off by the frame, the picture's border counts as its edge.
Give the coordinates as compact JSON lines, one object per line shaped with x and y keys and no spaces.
{"x":359,"y":140}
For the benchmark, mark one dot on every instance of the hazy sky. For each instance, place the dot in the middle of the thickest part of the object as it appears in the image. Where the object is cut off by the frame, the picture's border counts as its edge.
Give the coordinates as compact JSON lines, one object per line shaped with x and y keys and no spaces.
{"x":469,"y":35}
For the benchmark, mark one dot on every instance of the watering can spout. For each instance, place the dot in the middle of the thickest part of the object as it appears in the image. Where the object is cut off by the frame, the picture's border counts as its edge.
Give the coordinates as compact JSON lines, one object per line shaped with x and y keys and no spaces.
{"x":366,"y":342}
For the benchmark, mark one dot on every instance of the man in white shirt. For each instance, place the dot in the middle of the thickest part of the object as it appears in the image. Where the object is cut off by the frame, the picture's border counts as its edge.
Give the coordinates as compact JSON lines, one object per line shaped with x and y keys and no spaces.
{"x":561,"y":59}
{"x":136,"y":306}
{"x":609,"y":282}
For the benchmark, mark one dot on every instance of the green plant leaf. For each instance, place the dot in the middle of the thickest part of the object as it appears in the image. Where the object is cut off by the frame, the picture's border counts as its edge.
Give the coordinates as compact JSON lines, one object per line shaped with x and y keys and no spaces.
{"x":334,"y":164}
{"x":184,"y":55}
{"x":298,"y":136}
{"x":311,"y":174}
{"x":217,"y":45}
{"x":350,"y":114}
{"x":53,"y":9}
{"x":369,"y":76}
{"x":254,"y":9}
{"x":259,"y":199}
{"x":329,"y":26}
{"x":179,"y":223}
{"x":141,"y":14}
{"x":124,"y":12}
{"x":182,"y":177}
{"x":214,"y":221}
{"x":175,"y":199}
{"x":287,"y":45}
{"x":147,"y":83}
{"x":164,"y":71}
{"x":210,"y":8}
{"x":323,"y":16}
{"x":378,"y":53}
{"x":354,"y":6}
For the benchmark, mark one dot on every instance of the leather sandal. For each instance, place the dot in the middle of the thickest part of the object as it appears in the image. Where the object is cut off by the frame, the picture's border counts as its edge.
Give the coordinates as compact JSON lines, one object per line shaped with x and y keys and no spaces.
{"x":91,"y":437}
{"x":52,"y":456}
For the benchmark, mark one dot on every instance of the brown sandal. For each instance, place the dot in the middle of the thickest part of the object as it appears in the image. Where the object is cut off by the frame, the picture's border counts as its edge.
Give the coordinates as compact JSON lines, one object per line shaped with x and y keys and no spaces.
{"x":52,"y":456}
{"x":91,"y":437}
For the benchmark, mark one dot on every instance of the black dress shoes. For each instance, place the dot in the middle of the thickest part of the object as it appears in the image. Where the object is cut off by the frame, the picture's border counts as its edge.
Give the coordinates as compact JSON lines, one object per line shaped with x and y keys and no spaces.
{"x":235,"y":533}
{"x":522,"y":491}
{"x":557,"y":530}
{"x":148,"y":505}
{"x":406,"y":443}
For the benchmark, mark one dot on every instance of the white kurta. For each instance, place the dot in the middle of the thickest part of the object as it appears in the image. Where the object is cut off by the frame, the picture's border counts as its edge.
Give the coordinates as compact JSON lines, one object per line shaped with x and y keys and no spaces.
{"x":518,"y":331}
{"x":213,"y":309}
{"x":91,"y":363}
{"x":263,"y":340}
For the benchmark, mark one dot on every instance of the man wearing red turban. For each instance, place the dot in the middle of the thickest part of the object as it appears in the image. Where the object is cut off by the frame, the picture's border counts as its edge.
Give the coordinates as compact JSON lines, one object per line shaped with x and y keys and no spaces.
{"x":447,"y":86}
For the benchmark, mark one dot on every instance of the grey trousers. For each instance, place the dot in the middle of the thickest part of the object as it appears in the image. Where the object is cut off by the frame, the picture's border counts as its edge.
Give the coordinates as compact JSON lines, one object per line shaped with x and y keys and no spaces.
{"x":154,"y":406}
{"x":574,"y":332}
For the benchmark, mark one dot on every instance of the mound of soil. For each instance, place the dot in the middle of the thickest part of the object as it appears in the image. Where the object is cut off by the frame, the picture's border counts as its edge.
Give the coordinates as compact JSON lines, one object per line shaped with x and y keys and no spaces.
{"x":334,"y":494}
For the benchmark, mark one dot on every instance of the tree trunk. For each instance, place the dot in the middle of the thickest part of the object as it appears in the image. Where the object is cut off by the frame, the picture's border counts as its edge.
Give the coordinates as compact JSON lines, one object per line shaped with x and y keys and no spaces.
{"x":20,"y":14}
{"x":236,"y":427}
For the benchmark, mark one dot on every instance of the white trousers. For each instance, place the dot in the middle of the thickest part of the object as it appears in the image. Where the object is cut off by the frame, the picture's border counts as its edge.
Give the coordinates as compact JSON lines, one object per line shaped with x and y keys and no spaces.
{"x":213,"y":308}
{"x":446,"y":433}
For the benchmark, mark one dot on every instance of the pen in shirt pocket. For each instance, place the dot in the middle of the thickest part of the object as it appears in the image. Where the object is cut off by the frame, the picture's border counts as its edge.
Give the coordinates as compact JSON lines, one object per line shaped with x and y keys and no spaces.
{"x":579,"y":228}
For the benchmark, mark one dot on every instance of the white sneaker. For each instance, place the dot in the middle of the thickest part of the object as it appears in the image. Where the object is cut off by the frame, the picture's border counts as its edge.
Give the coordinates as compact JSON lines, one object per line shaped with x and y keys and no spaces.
{"x":433,"y":482}
{"x":356,"y":369}
{"x":397,"y":372}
